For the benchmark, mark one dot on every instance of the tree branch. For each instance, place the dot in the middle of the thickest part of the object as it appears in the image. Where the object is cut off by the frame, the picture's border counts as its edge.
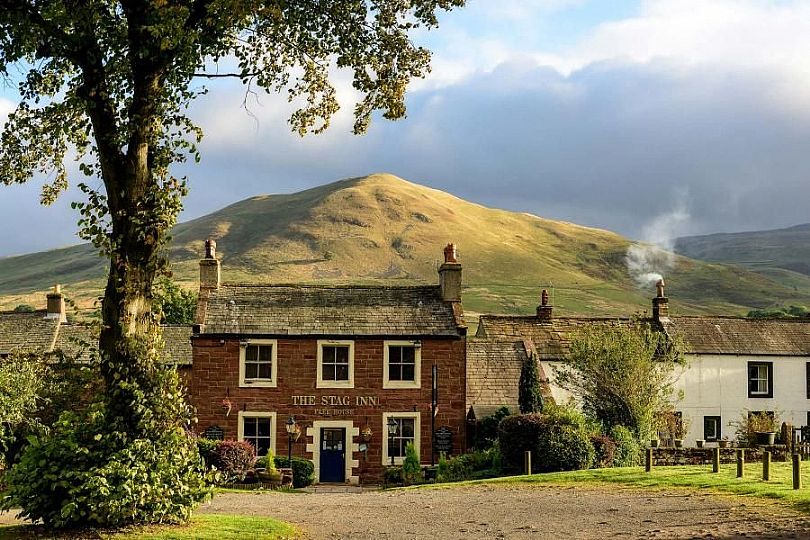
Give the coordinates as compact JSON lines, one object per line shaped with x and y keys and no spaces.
{"x":224,"y":75}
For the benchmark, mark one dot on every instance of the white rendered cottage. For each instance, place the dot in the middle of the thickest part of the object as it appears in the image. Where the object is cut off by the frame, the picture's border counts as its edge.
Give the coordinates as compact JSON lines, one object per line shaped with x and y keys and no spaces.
{"x":735,"y":365}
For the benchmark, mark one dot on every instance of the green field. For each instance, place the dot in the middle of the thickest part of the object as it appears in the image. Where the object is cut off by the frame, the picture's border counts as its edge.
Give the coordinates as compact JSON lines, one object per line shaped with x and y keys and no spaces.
{"x":779,"y":487}
{"x":382,"y":229}
{"x":201,"y":527}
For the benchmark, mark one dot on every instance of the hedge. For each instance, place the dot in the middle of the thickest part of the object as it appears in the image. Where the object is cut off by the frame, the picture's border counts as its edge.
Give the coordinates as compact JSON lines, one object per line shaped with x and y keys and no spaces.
{"x":558,"y":442}
{"x":303,"y":470}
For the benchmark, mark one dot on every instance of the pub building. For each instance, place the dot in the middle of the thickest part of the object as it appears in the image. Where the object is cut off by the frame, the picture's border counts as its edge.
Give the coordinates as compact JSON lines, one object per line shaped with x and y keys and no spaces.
{"x":345,"y":375}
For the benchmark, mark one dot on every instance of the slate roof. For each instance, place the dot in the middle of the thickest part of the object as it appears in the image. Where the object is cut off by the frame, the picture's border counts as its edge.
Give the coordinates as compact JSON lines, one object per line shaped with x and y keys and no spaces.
{"x":493,"y":373}
{"x":551,"y":338}
{"x":177,"y":339}
{"x":33,"y":332}
{"x":741,"y":336}
{"x":27,"y":332}
{"x":701,"y":334}
{"x":330,"y":310}
{"x":81,"y":340}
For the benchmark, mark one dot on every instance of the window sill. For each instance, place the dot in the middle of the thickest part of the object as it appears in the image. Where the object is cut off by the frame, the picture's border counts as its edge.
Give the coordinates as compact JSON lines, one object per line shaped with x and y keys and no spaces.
{"x":401,"y":385}
{"x":335,"y":384}
{"x":257,"y":384}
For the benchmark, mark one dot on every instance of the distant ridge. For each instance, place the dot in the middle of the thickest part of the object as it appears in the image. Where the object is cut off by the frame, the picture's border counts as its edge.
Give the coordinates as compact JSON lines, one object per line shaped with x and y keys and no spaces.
{"x":779,"y":254}
{"x":383,"y":229}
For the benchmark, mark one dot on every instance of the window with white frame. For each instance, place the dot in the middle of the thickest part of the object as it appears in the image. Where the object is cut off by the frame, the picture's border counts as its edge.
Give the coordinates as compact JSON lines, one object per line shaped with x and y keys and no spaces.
{"x":402,"y":364}
{"x":258,"y":428}
{"x":335,"y":364}
{"x":257,"y":363}
{"x":760,"y":379}
{"x":407,"y":431}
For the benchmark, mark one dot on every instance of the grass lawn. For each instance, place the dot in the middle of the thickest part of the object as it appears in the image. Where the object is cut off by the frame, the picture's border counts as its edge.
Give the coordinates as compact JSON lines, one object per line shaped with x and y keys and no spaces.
{"x":201,"y":527}
{"x":779,"y":487}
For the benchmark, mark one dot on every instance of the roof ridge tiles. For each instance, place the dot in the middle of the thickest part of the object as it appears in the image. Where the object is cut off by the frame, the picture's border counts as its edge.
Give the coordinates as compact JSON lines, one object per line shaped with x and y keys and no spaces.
{"x":330,"y":286}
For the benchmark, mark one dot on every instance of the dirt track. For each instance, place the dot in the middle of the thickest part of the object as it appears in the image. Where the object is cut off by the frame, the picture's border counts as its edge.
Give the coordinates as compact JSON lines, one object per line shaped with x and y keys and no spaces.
{"x":520,"y":512}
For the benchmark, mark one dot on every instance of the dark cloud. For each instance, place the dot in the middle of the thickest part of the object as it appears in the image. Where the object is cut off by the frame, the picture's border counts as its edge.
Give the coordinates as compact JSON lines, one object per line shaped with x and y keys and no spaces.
{"x":613,"y":145}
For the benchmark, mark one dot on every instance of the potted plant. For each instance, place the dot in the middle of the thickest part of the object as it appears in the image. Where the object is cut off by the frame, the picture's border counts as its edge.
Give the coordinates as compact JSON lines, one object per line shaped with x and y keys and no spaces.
{"x":654,"y":443}
{"x":699,"y":443}
{"x":678,"y":443}
{"x":723,"y":443}
{"x":758,"y":428}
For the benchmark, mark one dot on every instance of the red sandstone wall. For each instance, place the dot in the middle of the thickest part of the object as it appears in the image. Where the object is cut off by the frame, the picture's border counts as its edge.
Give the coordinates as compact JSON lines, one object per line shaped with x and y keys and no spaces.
{"x":216,"y":374}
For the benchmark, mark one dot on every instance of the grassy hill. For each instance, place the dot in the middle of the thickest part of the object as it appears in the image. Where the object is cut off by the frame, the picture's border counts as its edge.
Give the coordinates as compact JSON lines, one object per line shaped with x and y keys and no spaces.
{"x":381,"y":228}
{"x":782,"y":255}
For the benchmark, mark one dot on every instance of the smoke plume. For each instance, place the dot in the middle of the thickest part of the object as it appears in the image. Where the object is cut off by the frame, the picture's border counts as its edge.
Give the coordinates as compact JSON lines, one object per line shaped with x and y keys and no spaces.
{"x":652,"y":257}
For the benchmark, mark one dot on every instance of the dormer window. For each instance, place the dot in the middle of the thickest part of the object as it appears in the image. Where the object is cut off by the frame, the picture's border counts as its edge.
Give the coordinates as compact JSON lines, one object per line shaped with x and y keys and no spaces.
{"x":258,"y":363}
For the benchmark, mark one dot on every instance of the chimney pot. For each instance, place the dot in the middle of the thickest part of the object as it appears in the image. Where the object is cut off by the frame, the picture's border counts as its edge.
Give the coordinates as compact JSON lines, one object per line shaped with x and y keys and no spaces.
{"x":56,"y":305}
{"x":450,"y":275}
{"x":210,"y":272}
{"x":450,"y":254}
{"x":210,"y":249}
{"x":660,"y":304}
{"x":544,"y":310}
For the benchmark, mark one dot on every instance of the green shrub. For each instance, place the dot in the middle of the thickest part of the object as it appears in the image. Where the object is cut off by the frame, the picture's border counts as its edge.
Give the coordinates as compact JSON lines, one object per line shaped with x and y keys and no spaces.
{"x":628,"y":449}
{"x":206,"y":449}
{"x":443,"y":469}
{"x":604,"y":451}
{"x":234,"y":459}
{"x":303,"y":470}
{"x":564,"y":448}
{"x":411,"y":468}
{"x":486,"y":433}
{"x":392,"y":476}
{"x":82,"y":474}
{"x":517,"y":434}
{"x":558,"y":442}
{"x":267,"y":462}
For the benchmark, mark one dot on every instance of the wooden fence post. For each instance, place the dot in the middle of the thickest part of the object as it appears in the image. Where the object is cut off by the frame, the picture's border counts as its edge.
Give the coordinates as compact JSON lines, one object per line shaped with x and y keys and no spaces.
{"x":740,"y":462}
{"x":648,"y":461}
{"x":766,"y":465}
{"x":715,"y":460}
{"x":527,"y":461}
{"x":797,"y":471}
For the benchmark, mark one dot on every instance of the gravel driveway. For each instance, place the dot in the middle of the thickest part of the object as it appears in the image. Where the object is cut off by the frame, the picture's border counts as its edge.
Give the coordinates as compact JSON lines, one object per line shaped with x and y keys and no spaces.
{"x":536,"y":512}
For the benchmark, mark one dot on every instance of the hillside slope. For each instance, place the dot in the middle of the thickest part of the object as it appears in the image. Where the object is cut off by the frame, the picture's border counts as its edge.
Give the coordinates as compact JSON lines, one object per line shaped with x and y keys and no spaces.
{"x":782,"y":255}
{"x":384,"y":229}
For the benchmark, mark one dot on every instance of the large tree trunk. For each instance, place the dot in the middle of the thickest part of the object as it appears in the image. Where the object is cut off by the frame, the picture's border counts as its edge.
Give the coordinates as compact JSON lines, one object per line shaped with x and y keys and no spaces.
{"x":127,"y":341}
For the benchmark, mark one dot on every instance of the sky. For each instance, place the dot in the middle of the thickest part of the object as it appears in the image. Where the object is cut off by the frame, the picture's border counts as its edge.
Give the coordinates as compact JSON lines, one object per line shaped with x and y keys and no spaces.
{"x":651,"y":118}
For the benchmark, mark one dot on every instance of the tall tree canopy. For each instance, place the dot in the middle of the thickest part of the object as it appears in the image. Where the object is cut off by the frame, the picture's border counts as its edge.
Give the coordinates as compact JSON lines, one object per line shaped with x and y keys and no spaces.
{"x":624,"y":374}
{"x":108,"y":83}
{"x":111,"y":81}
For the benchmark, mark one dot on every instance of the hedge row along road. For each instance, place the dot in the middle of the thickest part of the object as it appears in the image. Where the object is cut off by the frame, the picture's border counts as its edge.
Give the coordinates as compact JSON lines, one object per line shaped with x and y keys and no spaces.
{"x":520,"y":511}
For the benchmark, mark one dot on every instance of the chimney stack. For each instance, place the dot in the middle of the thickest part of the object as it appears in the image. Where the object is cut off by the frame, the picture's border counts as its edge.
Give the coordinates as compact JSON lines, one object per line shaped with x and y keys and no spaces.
{"x":544,"y":309}
{"x":209,"y":267}
{"x":450,"y":275}
{"x":660,"y":304}
{"x":56,"y":305}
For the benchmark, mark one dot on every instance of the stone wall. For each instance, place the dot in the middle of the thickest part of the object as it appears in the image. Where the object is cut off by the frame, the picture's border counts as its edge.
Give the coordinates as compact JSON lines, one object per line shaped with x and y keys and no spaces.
{"x":703,"y":456}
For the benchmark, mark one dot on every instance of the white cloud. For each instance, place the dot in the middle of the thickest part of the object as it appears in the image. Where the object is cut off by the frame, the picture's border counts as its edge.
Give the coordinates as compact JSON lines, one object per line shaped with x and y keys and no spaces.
{"x":730,"y":32}
{"x":743,"y":34}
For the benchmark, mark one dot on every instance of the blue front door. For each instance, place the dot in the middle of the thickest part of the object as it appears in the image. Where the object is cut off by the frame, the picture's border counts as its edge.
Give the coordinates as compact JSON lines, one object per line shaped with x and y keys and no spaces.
{"x":333,"y":455}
